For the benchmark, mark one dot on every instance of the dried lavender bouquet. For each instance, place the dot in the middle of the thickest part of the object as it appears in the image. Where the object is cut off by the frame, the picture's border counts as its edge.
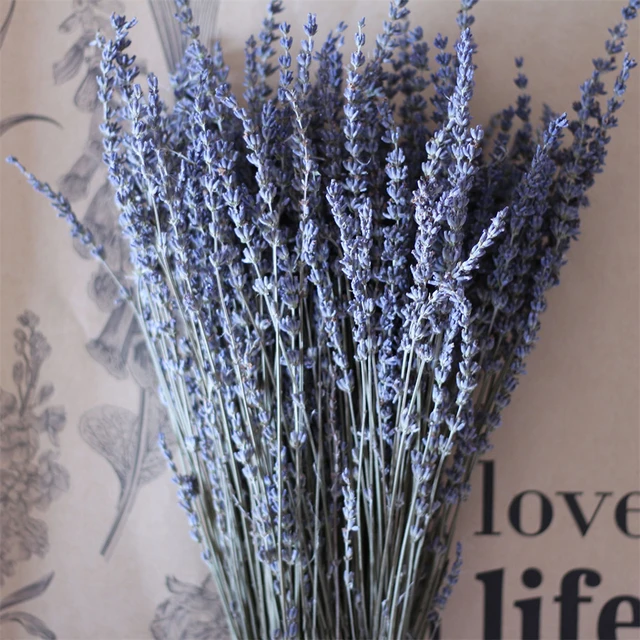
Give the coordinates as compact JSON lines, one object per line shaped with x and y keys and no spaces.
{"x":339,"y":283}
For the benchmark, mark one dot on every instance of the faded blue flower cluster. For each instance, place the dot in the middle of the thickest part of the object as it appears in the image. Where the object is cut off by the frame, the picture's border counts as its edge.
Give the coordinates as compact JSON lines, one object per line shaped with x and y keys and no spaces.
{"x":339,"y":279}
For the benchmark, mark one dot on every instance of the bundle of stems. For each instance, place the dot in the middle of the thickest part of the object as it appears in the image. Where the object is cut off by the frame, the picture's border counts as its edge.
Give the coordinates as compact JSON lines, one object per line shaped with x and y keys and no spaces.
{"x":339,"y":279}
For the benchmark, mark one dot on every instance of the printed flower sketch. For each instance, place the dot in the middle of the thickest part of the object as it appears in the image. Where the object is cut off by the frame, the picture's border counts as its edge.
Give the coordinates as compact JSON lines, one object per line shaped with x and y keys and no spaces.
{"x":12,"y":121}
{"x":192,"y":612}
{"x":126,"y":440}
{"x":28,"y":482}
{"x":82,"y":60}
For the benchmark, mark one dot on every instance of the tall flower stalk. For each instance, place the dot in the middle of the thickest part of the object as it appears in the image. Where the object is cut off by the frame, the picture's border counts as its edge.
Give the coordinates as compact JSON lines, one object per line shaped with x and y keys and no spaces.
{"x":338,"y":302}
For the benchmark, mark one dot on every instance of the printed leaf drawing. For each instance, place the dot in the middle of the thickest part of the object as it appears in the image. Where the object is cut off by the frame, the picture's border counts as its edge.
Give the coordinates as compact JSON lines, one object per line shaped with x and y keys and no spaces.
{"x":191,"y":612}
{"x":13,"y":121}
{"x":29,"y":592}
{"x":31,"y":624}
{"x":129,"y":443}
{"x":113,"y":432}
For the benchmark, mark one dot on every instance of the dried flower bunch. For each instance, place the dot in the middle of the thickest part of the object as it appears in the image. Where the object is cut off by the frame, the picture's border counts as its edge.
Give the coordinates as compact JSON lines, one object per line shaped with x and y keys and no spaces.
{"x":339,"y":283}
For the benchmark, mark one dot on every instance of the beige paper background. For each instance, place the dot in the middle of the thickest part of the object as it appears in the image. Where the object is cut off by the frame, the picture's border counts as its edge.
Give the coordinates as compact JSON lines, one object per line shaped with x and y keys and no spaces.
{"x":574,"y":423}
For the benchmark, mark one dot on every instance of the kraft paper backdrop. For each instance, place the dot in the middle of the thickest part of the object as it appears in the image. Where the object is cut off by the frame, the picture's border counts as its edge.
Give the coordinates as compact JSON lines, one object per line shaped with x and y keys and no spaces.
{"x":104,"y":549}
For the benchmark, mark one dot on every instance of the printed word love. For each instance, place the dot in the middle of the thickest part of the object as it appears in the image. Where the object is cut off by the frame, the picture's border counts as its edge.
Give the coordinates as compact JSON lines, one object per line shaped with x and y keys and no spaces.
{"x":583,"y":510}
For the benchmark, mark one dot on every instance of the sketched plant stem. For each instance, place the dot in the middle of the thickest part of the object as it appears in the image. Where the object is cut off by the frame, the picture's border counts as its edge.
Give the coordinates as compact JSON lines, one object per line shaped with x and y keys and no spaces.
{"x":14,"y":121}
{"x":131,"y":488}
{"x":6,"y":22}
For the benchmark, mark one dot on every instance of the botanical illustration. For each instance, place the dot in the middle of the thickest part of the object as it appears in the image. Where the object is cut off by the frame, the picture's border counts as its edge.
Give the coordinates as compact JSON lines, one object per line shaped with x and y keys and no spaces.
{"x":129,"y":442}
{"x":28,"y":481}
{"x":126,"y":440}
{"x":192,"y":612}
{"x":33,"y":625}
{"x":31,"y":477}
{"x":12,"y":121}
